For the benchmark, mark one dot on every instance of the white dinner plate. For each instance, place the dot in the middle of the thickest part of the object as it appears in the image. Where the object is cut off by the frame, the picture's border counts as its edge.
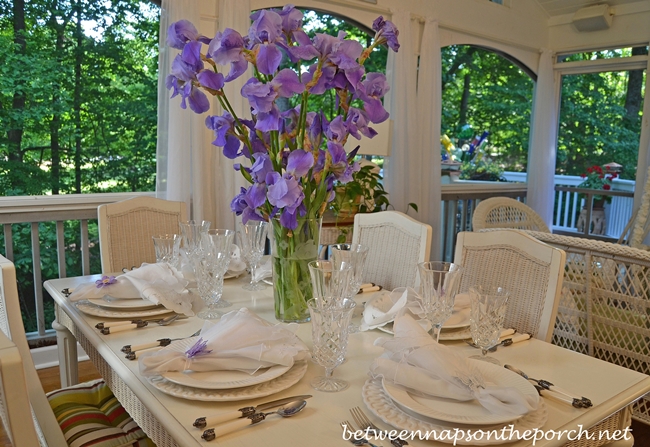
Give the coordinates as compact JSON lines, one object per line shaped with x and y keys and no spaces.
{"x":96,"y":311}
{"x":263,"y":389}
{"x":463,"y":412}
{"x":382,"y":406}
{"x":458,"y":320}
{"x":108,"y":302}
{"x":219,"y":380}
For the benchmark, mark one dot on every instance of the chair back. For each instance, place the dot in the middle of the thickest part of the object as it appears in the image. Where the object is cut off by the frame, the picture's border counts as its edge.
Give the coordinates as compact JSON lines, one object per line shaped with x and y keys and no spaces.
{"x":11,"y":325}
{"x":504,"y":212}
{"x":531,"y":270}
{"x":126,"y":228}
{"x":397,"y":243}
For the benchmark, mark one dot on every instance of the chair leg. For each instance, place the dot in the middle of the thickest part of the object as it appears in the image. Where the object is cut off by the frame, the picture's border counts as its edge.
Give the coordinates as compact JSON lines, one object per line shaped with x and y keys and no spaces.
{"x":67,"y":350}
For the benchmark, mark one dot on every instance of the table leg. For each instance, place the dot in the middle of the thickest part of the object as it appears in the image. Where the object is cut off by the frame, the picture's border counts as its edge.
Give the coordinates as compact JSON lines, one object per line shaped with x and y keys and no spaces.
{"x":67,"y":350}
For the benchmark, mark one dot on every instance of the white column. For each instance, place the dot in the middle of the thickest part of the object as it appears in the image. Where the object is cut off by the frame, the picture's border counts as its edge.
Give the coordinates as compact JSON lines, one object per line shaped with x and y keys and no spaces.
{"x":542,"y":149}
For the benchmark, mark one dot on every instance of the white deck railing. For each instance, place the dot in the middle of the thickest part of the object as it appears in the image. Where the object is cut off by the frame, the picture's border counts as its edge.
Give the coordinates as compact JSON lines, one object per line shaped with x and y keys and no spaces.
{"x":459,"y":200}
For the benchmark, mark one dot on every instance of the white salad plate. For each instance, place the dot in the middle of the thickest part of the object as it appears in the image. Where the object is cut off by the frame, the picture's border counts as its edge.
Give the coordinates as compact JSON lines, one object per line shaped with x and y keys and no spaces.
{"x":219,"y":380}
{"x":281,"y":383}
{"x":382,"y":406}
{"x":464,"y":412}
{"x":96,"y":311}
{"x":108,"y":302}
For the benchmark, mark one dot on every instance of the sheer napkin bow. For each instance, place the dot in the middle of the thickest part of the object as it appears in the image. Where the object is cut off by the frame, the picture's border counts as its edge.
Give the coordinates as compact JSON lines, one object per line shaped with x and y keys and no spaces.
{"x":387,"y":306}
{"x":158,"y":283}
{"x":412,"y":359}
{"x":240,"y":340}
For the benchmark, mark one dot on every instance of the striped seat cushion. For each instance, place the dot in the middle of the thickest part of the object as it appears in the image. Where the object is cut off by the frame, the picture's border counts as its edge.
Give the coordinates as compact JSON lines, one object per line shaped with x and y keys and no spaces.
{"x":90,"y":416}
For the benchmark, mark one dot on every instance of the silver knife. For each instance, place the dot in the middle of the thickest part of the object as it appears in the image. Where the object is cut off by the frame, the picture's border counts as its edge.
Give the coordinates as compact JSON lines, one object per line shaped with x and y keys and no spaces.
{"x":577,"y":401}
{"x":211,"y":421}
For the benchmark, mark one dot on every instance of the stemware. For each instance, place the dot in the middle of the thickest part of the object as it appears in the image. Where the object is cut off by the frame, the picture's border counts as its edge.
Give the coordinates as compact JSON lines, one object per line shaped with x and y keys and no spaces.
{"x":330,"y":323}
{"x":330,"y":281}
{"x":253,"y":240}
{"x":439,"y":282}
{"x":210,"y":262}
{"x":191,"y":231}
{"x":167,"y":248}
{"x":355,"y":255}
{"x":487,"y":312}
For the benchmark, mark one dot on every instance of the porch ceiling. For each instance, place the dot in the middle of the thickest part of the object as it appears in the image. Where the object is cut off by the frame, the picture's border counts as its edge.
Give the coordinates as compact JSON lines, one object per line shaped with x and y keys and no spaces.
{"x":561,"y":7}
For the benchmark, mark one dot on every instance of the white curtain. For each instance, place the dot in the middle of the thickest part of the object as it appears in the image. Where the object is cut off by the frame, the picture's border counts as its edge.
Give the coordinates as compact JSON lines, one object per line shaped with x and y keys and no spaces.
{"x":542,"y":153}
{"x":412,"y":172}
{"x":189,"y":168}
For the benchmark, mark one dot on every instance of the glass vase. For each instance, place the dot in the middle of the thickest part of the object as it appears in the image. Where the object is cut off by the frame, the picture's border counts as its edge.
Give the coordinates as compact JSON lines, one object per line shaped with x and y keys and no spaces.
{"x":292,"y":251}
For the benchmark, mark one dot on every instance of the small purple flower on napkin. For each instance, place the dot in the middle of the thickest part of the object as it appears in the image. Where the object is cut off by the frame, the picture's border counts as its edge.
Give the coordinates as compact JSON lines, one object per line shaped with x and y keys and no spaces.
{"x":105,"y":281}
{"x":198,"y":349}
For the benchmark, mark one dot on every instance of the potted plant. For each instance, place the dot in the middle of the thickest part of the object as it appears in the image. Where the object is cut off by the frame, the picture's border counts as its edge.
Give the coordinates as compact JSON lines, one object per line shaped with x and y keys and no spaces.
{"x":598,"y":178}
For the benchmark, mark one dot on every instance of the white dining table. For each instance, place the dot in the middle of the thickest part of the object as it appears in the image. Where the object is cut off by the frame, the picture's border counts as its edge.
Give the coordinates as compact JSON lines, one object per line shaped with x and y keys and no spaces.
{"x":168,"y":420}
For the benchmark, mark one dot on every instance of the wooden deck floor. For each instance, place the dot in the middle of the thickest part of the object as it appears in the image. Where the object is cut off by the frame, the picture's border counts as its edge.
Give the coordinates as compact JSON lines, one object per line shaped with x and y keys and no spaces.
{"x":51,"y":381}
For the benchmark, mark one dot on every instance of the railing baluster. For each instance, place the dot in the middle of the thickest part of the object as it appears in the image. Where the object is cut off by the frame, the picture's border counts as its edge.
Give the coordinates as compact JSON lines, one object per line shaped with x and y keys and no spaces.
{"x":463,"y":216}
{"x":60,"y":248}
{"x":9,"y":243}
{"x":85,"y":253}
{"x":38,"y":282}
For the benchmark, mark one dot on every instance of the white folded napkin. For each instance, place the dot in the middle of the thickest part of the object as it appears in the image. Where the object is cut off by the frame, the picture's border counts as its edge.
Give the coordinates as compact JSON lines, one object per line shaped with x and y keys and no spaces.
{"x":412,"y":359}
{"x":385,"y":307}
{"x":159,"y":283}
{"x":240,"y":340}
{"x":265,"y":270}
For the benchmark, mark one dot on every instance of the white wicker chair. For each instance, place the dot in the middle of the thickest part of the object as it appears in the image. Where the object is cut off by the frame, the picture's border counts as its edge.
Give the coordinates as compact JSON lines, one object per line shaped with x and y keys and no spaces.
{"x":504,"y":212}
{"x":23,"y":398}
{"x":604,"y":309}
{"x":531,"y":270}
{"x":126,"y":228}
{"x":397,"y":243}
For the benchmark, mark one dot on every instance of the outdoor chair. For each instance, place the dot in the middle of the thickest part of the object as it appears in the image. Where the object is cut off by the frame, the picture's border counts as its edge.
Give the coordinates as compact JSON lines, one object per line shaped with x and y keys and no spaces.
{"x":604,"y":308}
{"x":126,"y":229}
{"x":396,"y":244}
{"x":504,"y":212}
{"x":98,"y":418}
{"x":529,"y":269}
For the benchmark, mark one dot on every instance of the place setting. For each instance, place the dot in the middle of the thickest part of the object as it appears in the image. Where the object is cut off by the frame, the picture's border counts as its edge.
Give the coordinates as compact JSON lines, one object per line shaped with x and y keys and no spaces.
{"x":238,"y":357}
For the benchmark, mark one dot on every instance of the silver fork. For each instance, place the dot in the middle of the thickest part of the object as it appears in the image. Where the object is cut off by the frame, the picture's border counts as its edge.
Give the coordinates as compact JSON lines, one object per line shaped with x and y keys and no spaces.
{"x":353,"y":440}
{"x":365,"y":423}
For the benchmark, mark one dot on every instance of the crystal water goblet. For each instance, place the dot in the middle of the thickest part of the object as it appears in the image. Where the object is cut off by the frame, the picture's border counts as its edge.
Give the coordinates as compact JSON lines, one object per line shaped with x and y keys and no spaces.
{"x":439,"y":282}
{"x":218,"y":241}
{"x":253,"y":241}
{"x":167,"y":248}
{"x":330,"y":281}
{"x":191,"y":231}
{"x":330,"y":323}
{"x":355,"y":255}
{"x":487,"y":311}
{"x":210,"y":265}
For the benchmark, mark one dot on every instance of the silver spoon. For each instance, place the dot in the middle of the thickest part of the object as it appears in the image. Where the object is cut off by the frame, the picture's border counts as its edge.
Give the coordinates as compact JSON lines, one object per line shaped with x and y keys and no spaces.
{"x":506,"y":342}
{"x":287,"y":410}
{"x":578,"y":402}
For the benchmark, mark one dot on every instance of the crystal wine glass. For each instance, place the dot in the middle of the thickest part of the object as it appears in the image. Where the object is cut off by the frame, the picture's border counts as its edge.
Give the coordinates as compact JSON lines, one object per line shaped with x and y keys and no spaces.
{"x":167,"y":248}
{"x":210,"y":265}
{"x":330,"y":323}
{"x":330,"y":281}
{"x":253,"y":240}
{"x":439,"y":282}
{"x":487,"y":312}
{"x":191,"y":231}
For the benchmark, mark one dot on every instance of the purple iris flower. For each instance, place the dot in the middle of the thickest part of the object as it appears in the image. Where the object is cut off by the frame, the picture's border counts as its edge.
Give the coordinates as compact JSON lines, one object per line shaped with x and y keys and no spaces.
{"x":268,"y":121}
{"x":199,"y":348}
{"x":291,"y":18}
{"x":299,"y":162}
{"x":241,"y":204}
{"x":373,"y":88}
{"x":340,"y":167}
{"x":259,"y":95}
{"x":227,"y":47}
{"x":305,"y":49}
{"x":225,"y":134}
{"x":386,"y":33}
{"x":346,"y":53}
{"x":261,"y":167}
{"x":337,"y":131}
{"x":325,"y":80}
{"x":325,"y":43}
{"x":286,"y":83}
{"x":210,"y":79}
{"x":199,"y":103}
{"x":264,"y":33}
{"x":284,"y":191}
{"x":357,"y":122}
{"x":256,"y":195}
{"x":181,"y":32}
